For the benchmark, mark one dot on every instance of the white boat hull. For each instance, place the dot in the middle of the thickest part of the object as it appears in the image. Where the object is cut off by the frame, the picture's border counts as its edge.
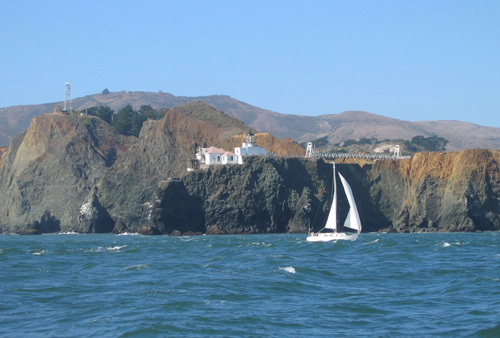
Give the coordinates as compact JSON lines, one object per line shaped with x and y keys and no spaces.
{"x":332,"y":236}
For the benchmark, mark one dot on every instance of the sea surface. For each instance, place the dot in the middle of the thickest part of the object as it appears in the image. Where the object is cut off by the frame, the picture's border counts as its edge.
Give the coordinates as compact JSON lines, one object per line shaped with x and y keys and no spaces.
{"x":383,"y":285}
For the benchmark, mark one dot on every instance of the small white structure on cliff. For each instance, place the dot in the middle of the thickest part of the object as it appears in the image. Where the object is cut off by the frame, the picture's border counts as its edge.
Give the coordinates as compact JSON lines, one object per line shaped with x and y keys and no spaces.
{"x":214,"y":156}
{"x":248,"y":148}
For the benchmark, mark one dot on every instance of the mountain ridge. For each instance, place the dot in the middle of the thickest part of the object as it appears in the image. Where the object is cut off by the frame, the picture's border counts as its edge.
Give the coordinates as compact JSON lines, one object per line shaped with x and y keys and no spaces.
{"x":301,"y":128}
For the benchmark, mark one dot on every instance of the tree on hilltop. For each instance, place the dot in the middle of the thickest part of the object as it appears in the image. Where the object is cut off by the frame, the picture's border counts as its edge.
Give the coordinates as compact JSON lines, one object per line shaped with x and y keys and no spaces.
{"x":128,"y":121}
{"x":105,"y":113}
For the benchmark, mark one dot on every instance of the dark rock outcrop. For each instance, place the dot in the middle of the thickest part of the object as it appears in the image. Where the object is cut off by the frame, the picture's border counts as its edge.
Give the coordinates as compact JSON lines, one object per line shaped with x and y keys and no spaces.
{"x":94,"y":218}
{"x":429,"y":192}
{"x":175,"y":210}
{"x":265,"y":195}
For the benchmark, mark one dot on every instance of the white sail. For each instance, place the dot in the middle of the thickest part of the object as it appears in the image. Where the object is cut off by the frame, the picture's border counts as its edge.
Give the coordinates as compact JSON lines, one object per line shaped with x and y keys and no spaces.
{"x":353,"y":220}
{"x":331,"y":222}
{"x":347,"y":222}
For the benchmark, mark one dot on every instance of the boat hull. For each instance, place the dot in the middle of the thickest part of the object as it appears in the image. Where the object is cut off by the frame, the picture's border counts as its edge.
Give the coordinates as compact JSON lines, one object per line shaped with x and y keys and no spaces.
{"x":334,"y":236}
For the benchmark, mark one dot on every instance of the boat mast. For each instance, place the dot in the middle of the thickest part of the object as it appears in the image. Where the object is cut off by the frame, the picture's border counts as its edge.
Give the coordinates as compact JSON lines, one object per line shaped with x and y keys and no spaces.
{"x":334,"y":203}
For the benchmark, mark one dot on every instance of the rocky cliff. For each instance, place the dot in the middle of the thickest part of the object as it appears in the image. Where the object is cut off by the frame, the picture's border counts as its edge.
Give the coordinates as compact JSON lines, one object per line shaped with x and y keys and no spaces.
{"x":265,"y":195}
{"x":73,"y":173}
{"x":163,"y":150}
{"x":458,"y":191}
{"x":430,"y":192}
{"x":50,"y":173}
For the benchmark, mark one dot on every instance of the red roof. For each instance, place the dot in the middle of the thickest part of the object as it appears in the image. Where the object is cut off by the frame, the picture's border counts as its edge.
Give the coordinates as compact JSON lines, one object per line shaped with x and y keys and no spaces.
{"x":214,"y":150}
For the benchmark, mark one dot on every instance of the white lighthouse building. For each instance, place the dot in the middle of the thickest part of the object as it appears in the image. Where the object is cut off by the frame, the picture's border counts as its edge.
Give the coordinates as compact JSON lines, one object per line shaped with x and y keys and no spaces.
{"x":248,"y":148}
{"x":213,"y":155}
{"x":206,"y":157}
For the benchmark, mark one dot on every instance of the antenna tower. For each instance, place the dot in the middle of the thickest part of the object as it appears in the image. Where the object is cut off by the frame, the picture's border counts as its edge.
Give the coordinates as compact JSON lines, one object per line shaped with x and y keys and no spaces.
{"x":67,"y":97}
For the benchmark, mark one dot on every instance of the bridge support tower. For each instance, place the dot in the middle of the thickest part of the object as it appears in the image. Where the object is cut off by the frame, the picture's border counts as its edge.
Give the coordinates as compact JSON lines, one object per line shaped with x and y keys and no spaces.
{"x":310,"y":150}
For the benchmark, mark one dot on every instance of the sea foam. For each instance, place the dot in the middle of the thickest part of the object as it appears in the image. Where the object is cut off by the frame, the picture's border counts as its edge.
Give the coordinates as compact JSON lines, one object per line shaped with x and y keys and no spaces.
{"x":289,"y":269}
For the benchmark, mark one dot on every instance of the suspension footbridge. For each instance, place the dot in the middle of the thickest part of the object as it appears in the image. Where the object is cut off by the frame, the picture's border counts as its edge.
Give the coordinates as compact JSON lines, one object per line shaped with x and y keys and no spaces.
{"x":310,"y":153}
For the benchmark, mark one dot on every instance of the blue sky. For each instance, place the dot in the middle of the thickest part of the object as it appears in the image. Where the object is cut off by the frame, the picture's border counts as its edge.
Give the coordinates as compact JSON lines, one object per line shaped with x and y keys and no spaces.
{"x":412,"y":60}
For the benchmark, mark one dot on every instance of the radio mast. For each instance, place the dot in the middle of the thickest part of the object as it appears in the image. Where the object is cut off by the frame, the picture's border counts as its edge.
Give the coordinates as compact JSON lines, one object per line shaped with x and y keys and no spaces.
{"x":67,"y":97}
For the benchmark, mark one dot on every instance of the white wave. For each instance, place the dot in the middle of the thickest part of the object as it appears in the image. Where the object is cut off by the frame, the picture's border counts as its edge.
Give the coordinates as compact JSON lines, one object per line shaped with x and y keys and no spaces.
{"x":187,"y":238}
{"x":135,"y":267}
{"x":129,"y":234}
{"x":109,"y":248}
{"x":68,"y":233}
{"x":289,"y":269}
{"x":262,"y":243}
{"x":373,"y":242}
{"x":116,"y":248}
{"x":446,"y":244}
{"x":39,"y":253}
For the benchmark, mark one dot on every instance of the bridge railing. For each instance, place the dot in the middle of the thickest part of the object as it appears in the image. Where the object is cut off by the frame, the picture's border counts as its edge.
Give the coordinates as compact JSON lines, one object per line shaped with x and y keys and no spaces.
{"x":360,"y":155}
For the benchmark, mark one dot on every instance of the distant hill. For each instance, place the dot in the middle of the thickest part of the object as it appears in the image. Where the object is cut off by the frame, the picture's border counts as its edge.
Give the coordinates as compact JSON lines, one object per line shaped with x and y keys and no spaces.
{"x":336,"y":127}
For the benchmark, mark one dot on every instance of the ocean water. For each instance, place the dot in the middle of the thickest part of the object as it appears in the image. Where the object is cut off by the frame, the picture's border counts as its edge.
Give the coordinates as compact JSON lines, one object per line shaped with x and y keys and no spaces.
{"x":383,"y":285}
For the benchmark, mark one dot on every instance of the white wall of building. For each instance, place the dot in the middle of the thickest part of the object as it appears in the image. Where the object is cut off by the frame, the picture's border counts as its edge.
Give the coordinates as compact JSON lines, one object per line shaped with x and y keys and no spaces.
{"x":214,"y":155}
{"x":229,"y":158}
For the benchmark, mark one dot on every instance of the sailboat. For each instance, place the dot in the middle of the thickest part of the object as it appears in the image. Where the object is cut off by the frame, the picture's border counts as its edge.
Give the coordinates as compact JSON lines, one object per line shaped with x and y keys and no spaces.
{"x":330,"y":231}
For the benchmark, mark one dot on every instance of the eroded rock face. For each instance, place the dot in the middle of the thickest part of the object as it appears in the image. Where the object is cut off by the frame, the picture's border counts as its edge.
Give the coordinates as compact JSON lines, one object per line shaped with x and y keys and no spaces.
{"x":163,"y":150}
{"x":49,"y":172}
{"x":93,"y":217}
{"x":429,"y":192}
{"x":456,"y":191}
{"x":265,"y":195}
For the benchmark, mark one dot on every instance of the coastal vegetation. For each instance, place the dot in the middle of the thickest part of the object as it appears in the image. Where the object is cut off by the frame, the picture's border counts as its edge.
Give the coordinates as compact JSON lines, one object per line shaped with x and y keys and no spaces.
{"x":433,"y":143}
{"x":127,"y":121}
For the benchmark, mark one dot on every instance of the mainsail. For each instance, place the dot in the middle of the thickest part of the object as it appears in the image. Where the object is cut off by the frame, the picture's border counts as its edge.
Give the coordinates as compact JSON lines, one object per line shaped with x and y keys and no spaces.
{"x":331,"y":222}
